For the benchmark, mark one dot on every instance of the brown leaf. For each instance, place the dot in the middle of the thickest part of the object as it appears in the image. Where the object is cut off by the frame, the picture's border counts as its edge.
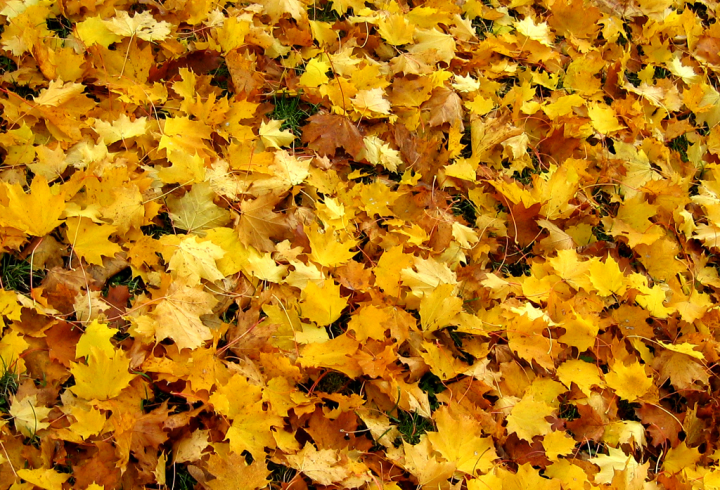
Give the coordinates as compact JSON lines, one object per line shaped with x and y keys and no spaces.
{"x":245,"y":77}
{"x":589,"y":426}
{"x":258,"y":224}
{"x":325,"y":133}
{"x":445,"y":106}
{"x":661,"y":424}
{"x":200,"y":61}
{"x":708,"y":48}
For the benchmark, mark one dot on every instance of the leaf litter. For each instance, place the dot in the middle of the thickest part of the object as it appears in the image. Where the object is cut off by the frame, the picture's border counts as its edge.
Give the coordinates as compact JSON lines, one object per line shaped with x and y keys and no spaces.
{"x":348,"y":244}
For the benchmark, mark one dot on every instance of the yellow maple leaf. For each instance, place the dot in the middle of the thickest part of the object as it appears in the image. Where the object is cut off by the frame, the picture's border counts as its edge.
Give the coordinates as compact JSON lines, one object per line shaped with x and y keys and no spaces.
{"x":607,"y":277}
{"x":323,"y":466}
{"x":93,"y":31}
{"x":369,"y":322}
{"x":377,"y":152}
{"x":272,"y":136}
{"x":441,"y":361}
{"x":12,"y":345}
{"x":611,"y":463}
{"x":96,"y":337}
{"x":326,"y":249}
{"x":389,"y":268}
{"x":371,"y":101}
{"x":684,"y":348}
{"x":196,"y":211}
{"x":283,"y":396}
{"x":45,"y":478}
{"x":88,"y":422}
{"x":177,"y":316}
{"x":421,"y":462}
{"x":584,"y":374}
{"x":322,"y":305}
{"x":232,"y":33}
{"x":193,"y":261}
{"x":121,"y":128}
{"x":459,"y":440}
{"x":28,"y":416}
{"x":580,"y":332}
{"x":434,"y":44}
{"x":558,"y":444}
{"x":9,"y":306}
{"x":251,"y":431}
{"x":190,"y":448}
{"x":604,"y":119}
{"x":337,"y":353}
{"x":231,"y":470}
{"x":624,"y":432}
{"x":527,"y":419}
{"x":91,"y":241}
{"x":537,"y":32}
{"x":235,"y":396}
{"x":680,"y":457}
{"x":277,"y":8}
{"x":142,"y":25}
{"x":629,"y":382}
{"x":185,"y":169}
{"x":438,"y":308}
{"x":103,"y":377}
{"x":396,"y":29}
{"x":315,"y":73}
{"x":36,"y":213}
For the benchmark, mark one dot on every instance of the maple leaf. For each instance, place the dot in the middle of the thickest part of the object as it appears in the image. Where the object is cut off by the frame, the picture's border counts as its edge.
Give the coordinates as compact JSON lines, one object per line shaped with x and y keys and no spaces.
{"x":422,"y":463}
{"x":369,"y":322}
{"x":96,"y":338}
{"x":93,"y":31}
{"x":438,"y":308}
{"x":91,"y":241}
{"x":193,"y":261}
{"x":322,"y":305}
{"x":460,"y":443}
{"x":378,"y":152}
{"x":322,"y":466}
{"x":537,"y":32}
{"x":273,"y":136}
{"x":36,"y":213}
{"x":368,"y":101}
{"x":196,"y":211}
{"x":336,"y":354}
{"x":326,"y":249}
{"x":629,"y":382}
{"x":558,"y":444}
{"x":610,"y":463}
{"x":28,"y":416}
{"x":583,"y":374}
{"x":606,"y":277}
{"x":88,"y":422}
{"x":44,"y":478}
{"x":259,"y":224}
{"x":120,"y":129}
{"x":527,"y":419}
{"x":396,"y":29}
{"x":177,"y":316}
{"x":445,"y":106}
{"x":328,"y":132}
{"x":251,"y":432}
{"x":141,"y":25}
{"x":315,"y":73}
{"x":103,"y":377}
{"x":232,"y":471}
{"x":680,"y":457}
